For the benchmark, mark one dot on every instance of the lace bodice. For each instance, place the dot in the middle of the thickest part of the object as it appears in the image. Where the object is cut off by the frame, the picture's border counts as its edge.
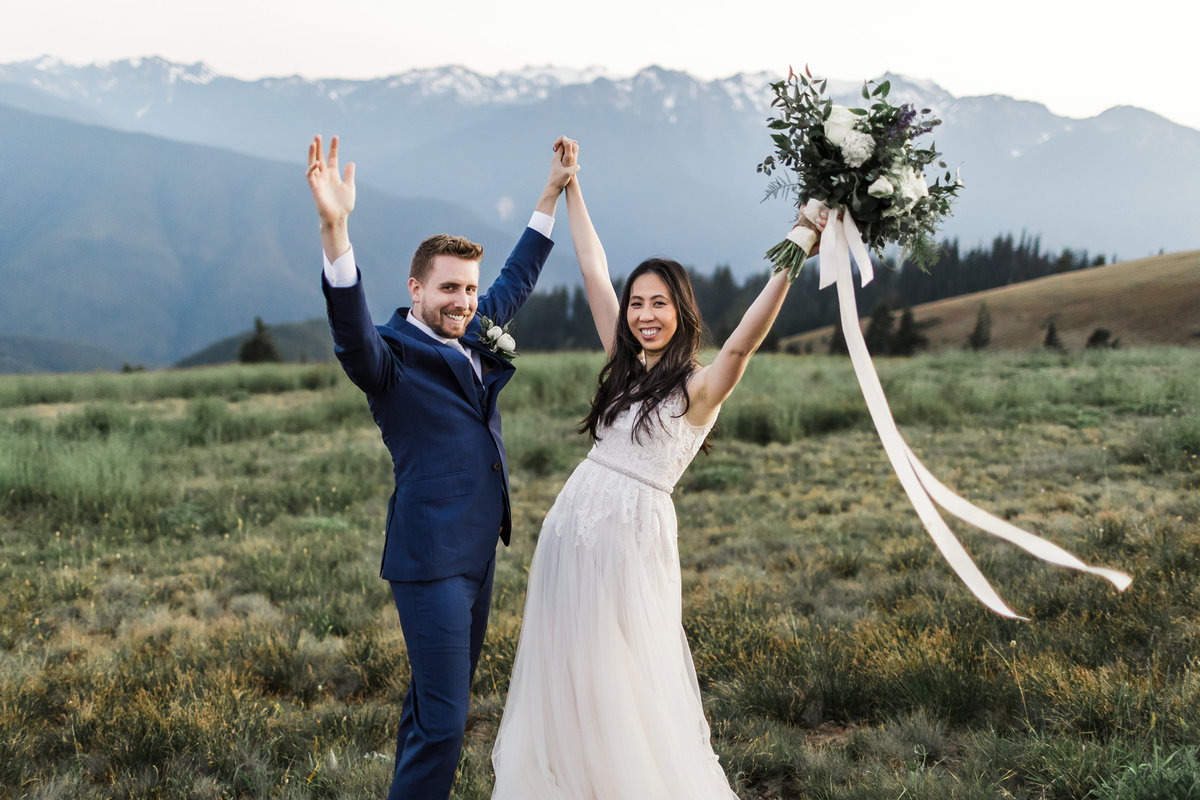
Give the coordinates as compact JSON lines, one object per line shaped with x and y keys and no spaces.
{"x":665,"y":449}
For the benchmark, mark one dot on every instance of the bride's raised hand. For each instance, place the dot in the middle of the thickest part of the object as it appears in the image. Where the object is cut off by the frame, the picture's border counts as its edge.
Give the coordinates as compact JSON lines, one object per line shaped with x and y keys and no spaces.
{"x":815,"y":219}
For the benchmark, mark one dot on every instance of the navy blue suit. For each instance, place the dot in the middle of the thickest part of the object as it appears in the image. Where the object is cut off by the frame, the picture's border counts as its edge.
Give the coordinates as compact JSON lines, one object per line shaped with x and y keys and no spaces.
{"x":450,"y":505}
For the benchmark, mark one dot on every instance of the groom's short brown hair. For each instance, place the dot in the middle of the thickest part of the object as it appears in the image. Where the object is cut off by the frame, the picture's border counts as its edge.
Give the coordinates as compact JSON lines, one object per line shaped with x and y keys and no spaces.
{"x":438,"y":245}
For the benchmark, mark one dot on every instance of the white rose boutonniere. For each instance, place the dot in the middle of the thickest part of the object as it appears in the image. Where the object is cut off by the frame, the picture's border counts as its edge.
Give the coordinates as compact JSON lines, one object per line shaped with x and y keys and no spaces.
{"x":497,"y":338}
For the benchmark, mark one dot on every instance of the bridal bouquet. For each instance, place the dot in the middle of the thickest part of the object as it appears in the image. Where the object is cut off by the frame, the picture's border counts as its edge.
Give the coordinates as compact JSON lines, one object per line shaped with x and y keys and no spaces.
{"x":863,"y":165}
{"x":863,"y":160}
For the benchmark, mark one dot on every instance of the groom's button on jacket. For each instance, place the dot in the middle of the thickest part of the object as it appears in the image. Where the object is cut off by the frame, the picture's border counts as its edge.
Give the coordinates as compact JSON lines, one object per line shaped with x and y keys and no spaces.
{"x":496,"y":466}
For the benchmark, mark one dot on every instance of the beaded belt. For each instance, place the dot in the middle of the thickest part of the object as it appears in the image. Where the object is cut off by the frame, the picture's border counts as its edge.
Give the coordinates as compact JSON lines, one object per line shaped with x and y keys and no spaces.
{"x":662,"y":487}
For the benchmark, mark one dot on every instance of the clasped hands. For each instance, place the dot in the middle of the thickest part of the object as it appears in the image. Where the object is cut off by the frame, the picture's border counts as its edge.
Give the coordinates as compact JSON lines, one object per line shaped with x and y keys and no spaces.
{"x":565,"y":162}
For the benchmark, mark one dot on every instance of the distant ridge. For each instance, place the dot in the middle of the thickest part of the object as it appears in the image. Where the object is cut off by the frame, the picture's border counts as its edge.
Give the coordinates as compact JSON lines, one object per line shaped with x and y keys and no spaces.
{"x":31,"y":354}
{"x":1150,"y":301}
{"x":695,"y":141}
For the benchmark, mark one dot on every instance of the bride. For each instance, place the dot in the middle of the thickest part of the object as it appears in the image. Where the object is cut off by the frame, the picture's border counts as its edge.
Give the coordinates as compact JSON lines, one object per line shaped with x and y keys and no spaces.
{"x":604,"y":702}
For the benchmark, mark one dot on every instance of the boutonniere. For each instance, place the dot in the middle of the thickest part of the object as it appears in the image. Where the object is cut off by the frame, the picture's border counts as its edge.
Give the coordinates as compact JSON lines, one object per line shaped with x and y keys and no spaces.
{"x":497,"y":339}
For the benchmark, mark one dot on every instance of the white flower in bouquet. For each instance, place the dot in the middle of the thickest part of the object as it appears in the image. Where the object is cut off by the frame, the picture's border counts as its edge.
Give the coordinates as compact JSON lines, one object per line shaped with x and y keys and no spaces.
{"x":506,"y":342}
{"x":909,"y":188}
{"x":494,"y":332}
{"x":857,"y":147}
{"x":882,"y":187}
{"x":840,"y":122}
{"x":912,"y":185}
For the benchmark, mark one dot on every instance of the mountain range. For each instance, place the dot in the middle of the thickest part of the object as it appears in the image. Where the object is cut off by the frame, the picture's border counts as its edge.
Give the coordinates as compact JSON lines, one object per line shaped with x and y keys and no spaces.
{"x":155,"y":208}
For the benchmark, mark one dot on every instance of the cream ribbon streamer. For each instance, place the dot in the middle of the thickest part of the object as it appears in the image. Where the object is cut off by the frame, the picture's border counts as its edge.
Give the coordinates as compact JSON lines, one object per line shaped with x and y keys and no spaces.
{"x":839,"y":241}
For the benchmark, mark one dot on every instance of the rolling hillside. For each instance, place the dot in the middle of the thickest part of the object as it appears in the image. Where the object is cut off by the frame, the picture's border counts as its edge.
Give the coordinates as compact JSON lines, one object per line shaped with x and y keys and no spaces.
{"x":1150,"y":301}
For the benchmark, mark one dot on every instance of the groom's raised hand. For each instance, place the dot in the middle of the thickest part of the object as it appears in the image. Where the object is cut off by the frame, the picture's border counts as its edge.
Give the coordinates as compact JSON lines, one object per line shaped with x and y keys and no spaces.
{"x":333,"y":196}
{"x":561,"y":173}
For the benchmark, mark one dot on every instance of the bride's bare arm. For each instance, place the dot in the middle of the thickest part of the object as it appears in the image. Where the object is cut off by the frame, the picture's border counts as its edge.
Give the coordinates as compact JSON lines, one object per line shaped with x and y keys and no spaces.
{"x":709,"y":386}
{"x":593,"y":264}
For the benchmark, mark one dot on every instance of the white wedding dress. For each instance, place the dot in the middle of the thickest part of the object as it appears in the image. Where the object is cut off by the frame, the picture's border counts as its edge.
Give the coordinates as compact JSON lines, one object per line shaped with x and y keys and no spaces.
{"x":604,"y":703}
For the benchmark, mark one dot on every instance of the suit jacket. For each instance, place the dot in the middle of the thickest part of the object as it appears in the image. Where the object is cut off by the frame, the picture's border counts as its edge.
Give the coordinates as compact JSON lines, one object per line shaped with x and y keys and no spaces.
{"x":441,"y":427}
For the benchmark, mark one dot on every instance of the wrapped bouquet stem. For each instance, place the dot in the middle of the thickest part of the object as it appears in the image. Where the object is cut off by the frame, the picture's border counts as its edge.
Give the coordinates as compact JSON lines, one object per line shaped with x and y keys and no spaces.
{"x":862,"y":167}
{"x":791,"y":253}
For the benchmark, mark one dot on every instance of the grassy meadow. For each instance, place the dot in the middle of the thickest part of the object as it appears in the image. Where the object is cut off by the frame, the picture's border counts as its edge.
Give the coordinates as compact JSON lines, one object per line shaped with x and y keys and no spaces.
{"x":191,"y":605}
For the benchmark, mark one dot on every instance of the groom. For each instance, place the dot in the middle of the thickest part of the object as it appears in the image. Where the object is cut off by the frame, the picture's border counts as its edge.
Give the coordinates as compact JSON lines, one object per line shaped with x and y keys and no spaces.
{"x":431,"y":384}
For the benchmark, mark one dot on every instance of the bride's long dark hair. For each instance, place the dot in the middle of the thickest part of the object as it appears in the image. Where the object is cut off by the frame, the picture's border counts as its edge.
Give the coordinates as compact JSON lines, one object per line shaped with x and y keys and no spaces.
{"x":624,"y":380}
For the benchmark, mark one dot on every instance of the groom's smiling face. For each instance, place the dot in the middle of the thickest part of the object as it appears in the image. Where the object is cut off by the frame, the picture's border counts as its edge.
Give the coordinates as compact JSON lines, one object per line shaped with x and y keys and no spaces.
{"x":446,"y":300}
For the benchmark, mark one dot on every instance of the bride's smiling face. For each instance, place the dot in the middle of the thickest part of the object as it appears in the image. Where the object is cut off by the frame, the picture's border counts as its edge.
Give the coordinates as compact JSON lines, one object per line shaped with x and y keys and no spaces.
{"x":651,"y":313}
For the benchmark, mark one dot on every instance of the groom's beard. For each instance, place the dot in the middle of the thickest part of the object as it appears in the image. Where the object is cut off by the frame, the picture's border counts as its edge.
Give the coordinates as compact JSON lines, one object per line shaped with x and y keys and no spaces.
{"x":443,"y":322}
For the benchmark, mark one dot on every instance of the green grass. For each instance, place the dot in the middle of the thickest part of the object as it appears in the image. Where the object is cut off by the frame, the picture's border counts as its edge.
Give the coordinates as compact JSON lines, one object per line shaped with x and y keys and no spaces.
{"x":192,"y":607}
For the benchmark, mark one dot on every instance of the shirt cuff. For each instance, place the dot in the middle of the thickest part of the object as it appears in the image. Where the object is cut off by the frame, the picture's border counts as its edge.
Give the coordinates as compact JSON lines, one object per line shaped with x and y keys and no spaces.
{"x":542,"y":223}
{"x":342,"y":272}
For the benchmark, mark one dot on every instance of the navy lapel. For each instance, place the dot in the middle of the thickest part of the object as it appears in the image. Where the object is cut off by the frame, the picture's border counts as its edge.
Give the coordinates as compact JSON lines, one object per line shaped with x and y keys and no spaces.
{"x":494,"y":366}
{"x":496,"y":369}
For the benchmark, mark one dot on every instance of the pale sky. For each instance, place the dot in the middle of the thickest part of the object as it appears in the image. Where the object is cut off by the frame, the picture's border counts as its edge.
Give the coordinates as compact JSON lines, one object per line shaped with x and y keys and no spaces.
{"x":1077,"y":58}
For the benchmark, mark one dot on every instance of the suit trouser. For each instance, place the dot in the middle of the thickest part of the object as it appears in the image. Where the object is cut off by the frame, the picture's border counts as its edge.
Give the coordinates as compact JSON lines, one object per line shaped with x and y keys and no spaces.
{"x":443,"y":622}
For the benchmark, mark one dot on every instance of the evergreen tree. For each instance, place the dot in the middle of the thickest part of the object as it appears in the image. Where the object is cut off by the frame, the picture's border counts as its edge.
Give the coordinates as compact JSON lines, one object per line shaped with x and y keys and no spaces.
{"x":260,"y":347}
{"x":1101,"y":339}
{"x":542,"y":323}
{"x":1052,"y":342}
{"x":908,"y":339}
{"x":725,"y":292}
{"x":879,"y":336}
{"x":837,"y":342}
{"x":981,"y":336}
{"x":583,"y":327}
